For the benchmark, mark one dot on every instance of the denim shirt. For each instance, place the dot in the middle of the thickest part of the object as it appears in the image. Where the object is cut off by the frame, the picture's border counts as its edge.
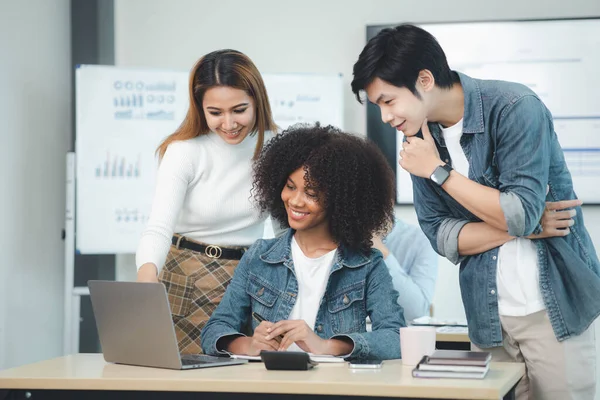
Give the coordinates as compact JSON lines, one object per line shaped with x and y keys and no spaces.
{"x":358,"y":286}
{"x":510,"y":143}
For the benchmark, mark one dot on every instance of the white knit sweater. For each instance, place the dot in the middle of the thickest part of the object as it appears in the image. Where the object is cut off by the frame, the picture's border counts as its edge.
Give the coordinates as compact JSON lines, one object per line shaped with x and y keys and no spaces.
{"x":202,"y":192}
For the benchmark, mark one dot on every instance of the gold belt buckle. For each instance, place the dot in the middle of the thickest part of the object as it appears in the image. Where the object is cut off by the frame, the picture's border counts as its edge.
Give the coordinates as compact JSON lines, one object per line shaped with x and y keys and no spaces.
{"x":213,"y":251}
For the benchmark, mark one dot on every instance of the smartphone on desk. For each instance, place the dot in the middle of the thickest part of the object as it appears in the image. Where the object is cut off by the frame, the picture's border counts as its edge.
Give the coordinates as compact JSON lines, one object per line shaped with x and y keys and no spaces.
{"x":365,"y":364}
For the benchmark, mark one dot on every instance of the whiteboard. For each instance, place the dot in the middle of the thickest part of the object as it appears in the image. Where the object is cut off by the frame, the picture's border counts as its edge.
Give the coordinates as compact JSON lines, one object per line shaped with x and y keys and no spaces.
{"x":559,"y":60}
{"x":306,"y":98}
{"x":122,"y":115}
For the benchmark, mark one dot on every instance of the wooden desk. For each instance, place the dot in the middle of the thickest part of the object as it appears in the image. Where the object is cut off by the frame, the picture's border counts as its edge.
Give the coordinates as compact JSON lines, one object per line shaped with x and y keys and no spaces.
{"x":87,"y":376}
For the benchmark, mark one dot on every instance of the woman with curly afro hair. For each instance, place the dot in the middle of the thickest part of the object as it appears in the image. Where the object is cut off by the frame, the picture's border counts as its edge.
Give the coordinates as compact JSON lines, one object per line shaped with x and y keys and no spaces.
{"x":312,"y":288}
{"x":352,"y":178}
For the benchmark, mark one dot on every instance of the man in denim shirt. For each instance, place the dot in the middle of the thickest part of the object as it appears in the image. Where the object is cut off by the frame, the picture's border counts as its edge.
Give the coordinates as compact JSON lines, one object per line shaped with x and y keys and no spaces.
{"x":485,"y":160}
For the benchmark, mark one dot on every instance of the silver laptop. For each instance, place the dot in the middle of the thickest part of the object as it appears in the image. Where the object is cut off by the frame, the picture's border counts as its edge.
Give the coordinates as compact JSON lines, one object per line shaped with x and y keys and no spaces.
{"x":135,"y":327}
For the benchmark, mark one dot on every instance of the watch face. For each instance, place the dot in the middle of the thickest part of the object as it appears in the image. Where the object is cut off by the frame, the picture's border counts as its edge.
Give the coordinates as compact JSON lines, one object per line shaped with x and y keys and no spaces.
{"x":439,"y":176}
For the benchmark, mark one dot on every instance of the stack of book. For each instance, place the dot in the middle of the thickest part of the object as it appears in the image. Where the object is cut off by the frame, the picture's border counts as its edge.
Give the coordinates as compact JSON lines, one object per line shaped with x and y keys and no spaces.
{"x":454,"y":364}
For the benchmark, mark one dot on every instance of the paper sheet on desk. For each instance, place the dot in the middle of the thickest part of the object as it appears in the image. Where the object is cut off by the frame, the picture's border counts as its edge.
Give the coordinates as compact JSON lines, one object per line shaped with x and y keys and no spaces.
{"x":243,"y":357}
{"x":320,"y":358}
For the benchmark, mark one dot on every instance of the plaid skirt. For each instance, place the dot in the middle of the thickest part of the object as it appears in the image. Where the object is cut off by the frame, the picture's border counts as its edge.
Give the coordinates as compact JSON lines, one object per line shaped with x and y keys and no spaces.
{"x":195,"y":285}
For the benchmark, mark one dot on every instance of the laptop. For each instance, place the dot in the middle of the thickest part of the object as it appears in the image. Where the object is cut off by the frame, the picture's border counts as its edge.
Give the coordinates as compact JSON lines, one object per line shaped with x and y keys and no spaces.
{"x":135,"y":327}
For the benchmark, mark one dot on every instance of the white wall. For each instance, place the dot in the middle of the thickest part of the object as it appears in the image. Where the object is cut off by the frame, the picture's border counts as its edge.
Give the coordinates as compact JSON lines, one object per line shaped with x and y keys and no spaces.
{"x":35,"y":131}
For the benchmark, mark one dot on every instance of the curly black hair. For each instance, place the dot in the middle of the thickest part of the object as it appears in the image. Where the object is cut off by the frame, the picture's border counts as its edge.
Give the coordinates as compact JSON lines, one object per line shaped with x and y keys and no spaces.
{"x":350,"y":175}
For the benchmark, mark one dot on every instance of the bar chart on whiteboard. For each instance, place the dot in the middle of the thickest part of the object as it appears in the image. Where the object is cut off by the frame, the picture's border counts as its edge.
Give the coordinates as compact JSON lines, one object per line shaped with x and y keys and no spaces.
{"x":118,"y":167}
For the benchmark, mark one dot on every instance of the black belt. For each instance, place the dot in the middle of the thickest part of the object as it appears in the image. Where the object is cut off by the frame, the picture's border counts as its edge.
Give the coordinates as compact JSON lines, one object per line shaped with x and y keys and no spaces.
{"x":210,"y":250}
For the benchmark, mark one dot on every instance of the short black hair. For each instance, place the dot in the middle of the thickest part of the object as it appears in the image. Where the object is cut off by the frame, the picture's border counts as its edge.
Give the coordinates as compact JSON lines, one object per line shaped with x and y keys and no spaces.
{"x":352,"y":179}
{"x":397,"y":55}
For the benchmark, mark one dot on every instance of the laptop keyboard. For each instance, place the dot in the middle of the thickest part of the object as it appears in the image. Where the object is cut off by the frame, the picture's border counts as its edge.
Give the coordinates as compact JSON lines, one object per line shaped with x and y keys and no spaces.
{"x":194,"y":359}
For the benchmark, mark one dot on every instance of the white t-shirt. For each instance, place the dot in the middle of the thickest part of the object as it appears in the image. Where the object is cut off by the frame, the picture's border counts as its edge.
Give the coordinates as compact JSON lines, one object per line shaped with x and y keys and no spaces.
{"x":452,"y":137}
{"x":312,"y":275}
{"x":517,"y":272}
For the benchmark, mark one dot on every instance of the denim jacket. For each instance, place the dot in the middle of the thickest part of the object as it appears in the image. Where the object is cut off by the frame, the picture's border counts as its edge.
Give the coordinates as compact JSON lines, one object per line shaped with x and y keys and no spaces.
{"x":358,"y":286}
{"x":510,"y":143}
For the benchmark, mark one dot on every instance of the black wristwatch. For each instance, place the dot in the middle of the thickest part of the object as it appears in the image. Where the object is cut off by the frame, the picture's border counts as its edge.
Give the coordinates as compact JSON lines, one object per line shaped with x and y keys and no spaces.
{"x":441,"y":174}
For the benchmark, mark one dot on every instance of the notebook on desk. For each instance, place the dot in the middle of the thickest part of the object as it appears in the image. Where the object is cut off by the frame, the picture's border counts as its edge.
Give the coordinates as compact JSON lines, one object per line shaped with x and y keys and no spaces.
{"x":425,"y":370}
{"x":135,"y":327}
{"x":459,"y":357}
{"x":454,"y":364}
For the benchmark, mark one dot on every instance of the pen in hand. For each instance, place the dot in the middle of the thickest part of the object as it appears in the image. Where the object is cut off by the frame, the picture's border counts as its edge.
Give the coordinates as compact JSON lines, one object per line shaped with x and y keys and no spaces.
{"x":260,"y":319}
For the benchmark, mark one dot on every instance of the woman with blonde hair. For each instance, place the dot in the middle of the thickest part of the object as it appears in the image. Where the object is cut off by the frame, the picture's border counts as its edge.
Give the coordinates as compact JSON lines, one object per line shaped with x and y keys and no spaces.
{"x":203,"y":217}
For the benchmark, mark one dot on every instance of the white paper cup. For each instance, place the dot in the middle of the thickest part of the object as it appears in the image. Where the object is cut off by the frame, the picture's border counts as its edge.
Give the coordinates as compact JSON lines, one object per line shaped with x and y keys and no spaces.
{"x":416,"y":342}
